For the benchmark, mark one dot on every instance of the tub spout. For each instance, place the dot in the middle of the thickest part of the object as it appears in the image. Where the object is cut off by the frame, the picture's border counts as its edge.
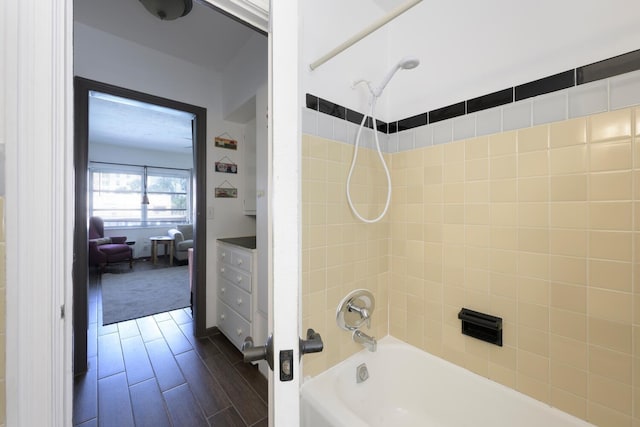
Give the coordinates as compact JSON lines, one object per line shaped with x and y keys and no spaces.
{"x":361,"y":338}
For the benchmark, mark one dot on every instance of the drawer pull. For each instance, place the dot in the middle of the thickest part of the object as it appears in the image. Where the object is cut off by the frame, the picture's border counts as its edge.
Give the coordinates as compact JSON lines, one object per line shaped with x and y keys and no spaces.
{"x":223,"y":254}
{"x":239,"y":332}
{"x":222,"y":317}
{"x":222,"y":290}
{"x":239,"y":301}
{"x":239,"y":279}
{"x":222,"y":270}
{"x":239,"y":262}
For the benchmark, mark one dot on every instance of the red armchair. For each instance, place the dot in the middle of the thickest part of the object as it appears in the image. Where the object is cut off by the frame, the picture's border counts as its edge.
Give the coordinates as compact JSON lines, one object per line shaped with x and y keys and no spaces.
{"x":106,"y":250}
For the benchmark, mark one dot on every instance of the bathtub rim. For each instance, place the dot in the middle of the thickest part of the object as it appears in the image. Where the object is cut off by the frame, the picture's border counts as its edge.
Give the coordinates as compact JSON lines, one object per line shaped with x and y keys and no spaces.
{"x":387,"y":341}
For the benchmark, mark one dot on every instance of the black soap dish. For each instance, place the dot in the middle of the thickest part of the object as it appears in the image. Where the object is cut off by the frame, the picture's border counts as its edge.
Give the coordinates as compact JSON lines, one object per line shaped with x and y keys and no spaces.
{"x":481,"y":326}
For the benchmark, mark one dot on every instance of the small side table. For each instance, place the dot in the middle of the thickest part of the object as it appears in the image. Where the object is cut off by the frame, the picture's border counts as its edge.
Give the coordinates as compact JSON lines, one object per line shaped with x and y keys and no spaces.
{"x":131,"y":243}
{"x":168,"y":247}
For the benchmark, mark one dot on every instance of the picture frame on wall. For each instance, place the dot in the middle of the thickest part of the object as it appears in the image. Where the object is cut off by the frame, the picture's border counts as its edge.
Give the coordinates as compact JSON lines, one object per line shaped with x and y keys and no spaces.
{"x":227,"y":143}
{"x":226,"y":192}
{"x":226,"y":167}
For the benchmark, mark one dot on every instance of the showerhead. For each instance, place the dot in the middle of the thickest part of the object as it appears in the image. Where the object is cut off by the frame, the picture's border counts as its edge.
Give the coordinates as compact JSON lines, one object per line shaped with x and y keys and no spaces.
{"x":406,"y":63}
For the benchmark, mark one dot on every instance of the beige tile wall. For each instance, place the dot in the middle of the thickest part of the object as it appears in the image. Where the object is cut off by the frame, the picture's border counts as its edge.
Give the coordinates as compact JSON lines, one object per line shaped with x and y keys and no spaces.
{"x":338,"y":253}
{"x":539,"y":226}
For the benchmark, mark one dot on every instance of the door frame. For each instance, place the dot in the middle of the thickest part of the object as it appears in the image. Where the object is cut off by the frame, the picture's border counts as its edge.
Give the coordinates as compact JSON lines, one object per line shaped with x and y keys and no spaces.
{"x":36,"y":128}
{"x":284,"y":194}
{"x":38,"y":133}
{"x":285,"y":197}
{"x":82,"y":86}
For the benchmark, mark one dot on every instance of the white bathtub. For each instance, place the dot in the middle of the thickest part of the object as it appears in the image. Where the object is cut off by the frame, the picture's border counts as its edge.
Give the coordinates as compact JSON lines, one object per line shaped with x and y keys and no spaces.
{"x":409,"y":387}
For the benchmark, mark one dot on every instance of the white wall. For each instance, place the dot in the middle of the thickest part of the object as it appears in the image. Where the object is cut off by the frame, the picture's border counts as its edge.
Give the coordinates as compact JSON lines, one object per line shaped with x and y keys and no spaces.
{"x":261,"y":321}
{"x":101,"y":56}
{"x":496,"y":44}
{"x":493,"y":45}
{"x":326,"y":24}
{"x":106,"y":58}
{"x":244,"y":74}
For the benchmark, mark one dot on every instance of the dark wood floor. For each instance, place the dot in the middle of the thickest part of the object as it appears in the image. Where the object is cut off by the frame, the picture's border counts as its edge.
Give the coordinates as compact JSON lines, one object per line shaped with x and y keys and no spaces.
{"x":153,"y":372}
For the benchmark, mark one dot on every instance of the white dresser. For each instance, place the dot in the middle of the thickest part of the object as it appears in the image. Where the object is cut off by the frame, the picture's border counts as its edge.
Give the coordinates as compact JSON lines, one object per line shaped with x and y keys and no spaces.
{"x":237,"y":293}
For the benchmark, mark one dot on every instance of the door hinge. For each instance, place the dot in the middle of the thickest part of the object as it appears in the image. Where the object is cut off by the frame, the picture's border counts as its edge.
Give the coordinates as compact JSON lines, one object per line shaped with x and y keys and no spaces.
{"x":62,"y":311}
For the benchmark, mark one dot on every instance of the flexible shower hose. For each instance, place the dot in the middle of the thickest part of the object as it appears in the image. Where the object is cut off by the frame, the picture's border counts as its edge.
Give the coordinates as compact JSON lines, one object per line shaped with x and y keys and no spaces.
{"x":353,"y":163}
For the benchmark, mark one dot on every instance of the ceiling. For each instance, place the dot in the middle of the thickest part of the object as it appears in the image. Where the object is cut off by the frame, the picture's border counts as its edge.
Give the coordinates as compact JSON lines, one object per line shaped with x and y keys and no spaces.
{"x":467,"y":48}
{"x":205,"y":37}
{"x":124,"y":122}
{"x":496,"y":44}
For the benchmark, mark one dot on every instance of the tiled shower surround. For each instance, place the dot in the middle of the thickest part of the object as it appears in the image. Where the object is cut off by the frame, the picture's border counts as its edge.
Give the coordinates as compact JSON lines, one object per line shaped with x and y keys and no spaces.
{"x":538,"y":224}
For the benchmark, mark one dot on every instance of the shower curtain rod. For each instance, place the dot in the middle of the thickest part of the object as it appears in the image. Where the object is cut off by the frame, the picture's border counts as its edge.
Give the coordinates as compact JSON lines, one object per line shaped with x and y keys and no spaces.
{"x":365,"y":32}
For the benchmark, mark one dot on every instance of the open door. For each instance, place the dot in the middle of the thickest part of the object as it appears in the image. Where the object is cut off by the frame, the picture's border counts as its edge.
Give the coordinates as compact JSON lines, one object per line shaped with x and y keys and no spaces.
{"x":285,"y":143}
{"x":284,"y":212}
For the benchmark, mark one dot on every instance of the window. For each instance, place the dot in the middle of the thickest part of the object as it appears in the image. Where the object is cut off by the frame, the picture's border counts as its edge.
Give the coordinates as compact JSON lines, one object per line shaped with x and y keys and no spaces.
{"x":115,"y":195}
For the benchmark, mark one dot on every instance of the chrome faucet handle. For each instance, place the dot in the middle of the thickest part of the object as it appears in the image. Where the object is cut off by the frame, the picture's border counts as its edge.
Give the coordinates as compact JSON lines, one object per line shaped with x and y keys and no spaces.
{"x":366,"y":316}
{"x":362,"y":311}
{"x":355,"y":309}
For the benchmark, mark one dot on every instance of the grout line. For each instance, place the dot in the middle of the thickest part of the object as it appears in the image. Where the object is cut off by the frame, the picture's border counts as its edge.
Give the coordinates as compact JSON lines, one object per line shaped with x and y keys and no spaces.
{"x":587,"y":258}
{"x":95,"y":293}
{"x":634,"y":367}
{"x":239,"y":374}
{"x":259,"y":421}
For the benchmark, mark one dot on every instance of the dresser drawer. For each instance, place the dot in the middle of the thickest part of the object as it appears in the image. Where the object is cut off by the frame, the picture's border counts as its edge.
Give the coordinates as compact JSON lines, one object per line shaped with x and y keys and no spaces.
{"x":235,"y":276}
{"x":241,"y":260}
{"x":223,"y":254}
{"x":236,"y":298}
{"x":234,"y":326}
{"x":235,"y":257}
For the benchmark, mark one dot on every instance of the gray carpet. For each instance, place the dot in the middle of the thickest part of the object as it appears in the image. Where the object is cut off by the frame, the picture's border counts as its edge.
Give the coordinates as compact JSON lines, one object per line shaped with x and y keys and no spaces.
{"x":127,"y":296}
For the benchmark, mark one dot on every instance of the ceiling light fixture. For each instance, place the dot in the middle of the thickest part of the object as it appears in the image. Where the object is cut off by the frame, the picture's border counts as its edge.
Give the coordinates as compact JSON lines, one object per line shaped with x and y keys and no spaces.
{"x":168,"y":10}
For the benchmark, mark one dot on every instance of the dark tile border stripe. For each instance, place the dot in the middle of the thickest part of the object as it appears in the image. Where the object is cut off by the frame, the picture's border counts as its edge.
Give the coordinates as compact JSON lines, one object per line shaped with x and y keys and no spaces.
{"x":491,"y":100}
{"x":448,"y":112}
{"x":356,"y":117}
{"x":312,"y":102}
{"x":549,"y":84}
{"x":412,"y":122}
{"x":609,"y":67}
{"x":332,"y":109}
{"x":588,"y":73}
